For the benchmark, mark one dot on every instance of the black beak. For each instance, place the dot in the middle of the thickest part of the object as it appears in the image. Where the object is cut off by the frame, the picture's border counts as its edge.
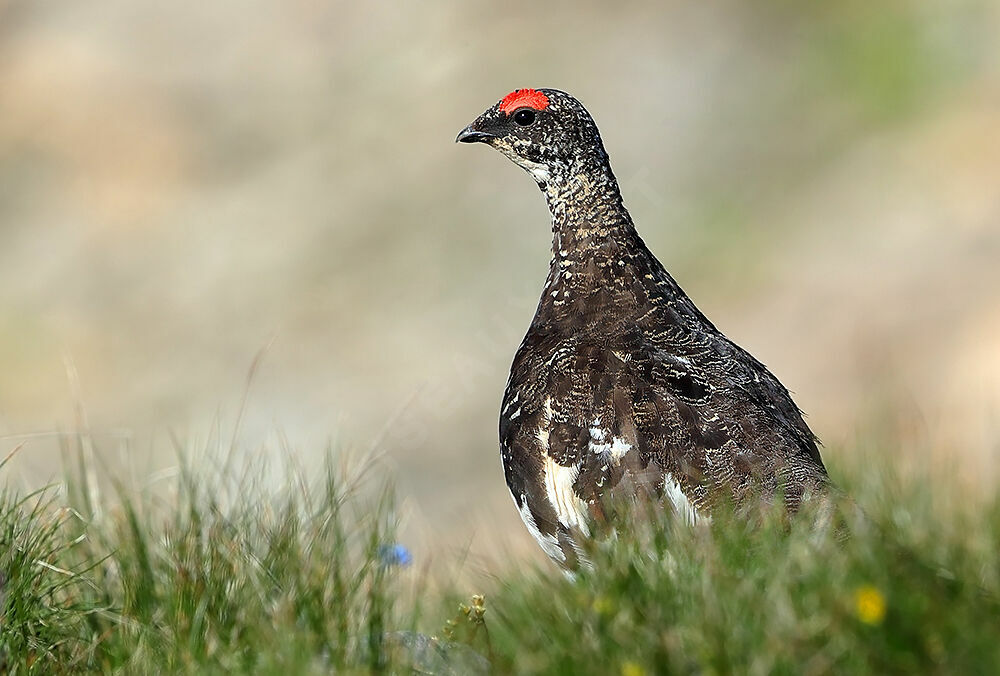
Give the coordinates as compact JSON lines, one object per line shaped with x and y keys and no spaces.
{"x":470,"y":135}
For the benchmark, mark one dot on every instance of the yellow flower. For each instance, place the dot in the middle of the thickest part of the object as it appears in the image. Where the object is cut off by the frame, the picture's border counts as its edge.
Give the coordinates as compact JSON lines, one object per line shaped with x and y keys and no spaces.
{"x":630,"y":668}
{"x":603,"y":605}
{"x":869,"y":604}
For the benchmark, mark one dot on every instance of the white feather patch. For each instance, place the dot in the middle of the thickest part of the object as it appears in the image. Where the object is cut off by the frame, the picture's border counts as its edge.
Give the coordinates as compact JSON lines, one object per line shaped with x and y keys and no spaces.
{"x":612,"y":452}
{"x":682,"y":506}
{"x":549,"y":543}
{"x":538,"y":171}
{"x":543,"y":428}
{"x":571,"y":510}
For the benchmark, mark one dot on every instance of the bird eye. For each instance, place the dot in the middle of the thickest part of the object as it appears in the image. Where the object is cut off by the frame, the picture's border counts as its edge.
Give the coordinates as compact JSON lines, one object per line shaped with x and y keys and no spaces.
{"x":524,"y":117}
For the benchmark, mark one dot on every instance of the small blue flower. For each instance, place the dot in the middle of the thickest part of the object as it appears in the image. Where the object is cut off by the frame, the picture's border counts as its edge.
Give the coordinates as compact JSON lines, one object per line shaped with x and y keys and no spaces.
{"x":395,"y":555}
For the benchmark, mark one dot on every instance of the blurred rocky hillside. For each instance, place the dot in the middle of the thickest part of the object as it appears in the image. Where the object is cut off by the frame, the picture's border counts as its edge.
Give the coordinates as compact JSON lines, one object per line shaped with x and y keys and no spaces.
{"x":185,"y":186}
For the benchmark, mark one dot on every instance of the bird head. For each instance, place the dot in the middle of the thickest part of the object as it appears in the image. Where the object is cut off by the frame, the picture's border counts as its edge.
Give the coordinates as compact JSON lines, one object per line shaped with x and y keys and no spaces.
{"x":546,"y":132}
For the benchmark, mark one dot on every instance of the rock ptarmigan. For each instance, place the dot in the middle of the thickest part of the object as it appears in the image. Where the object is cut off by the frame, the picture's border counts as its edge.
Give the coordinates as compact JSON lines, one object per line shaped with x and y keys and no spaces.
{"x":622,"y":389}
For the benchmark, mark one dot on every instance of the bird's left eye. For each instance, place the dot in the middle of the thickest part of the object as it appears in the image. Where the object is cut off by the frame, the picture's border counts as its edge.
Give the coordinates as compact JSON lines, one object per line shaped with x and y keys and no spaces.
{"x":524,"y":117}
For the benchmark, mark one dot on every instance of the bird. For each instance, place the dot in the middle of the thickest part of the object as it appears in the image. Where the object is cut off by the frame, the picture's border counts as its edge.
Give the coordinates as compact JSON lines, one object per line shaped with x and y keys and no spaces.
{"x":622,"y":392}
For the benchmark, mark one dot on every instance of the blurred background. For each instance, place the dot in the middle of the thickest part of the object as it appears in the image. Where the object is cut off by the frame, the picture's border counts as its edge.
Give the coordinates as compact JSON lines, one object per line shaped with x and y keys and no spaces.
{"x":192,"y":193}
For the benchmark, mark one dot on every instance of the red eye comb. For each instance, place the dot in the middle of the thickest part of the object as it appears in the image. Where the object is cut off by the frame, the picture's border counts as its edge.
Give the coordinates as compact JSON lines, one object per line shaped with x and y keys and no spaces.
{"x":524,"y":98}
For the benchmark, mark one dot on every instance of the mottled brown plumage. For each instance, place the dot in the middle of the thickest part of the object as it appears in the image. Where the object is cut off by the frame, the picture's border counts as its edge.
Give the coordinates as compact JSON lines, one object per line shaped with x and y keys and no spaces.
{"x":622,"y":387}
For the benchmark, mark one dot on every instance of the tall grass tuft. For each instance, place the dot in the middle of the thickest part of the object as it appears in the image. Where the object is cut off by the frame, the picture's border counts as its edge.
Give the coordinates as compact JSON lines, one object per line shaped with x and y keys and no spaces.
{"x":215,"y":571}
{"x":219,"y":569}
{"x":42,"y":613}
{"x":895,"y":585}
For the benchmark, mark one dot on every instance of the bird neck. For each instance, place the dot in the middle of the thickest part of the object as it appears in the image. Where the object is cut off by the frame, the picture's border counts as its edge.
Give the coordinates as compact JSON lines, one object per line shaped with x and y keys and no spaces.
{"x":595,"y":270}
{"x":587,"y":213}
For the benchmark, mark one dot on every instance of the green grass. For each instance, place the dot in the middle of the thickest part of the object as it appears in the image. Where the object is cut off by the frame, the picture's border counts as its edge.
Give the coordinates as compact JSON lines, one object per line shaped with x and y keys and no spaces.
{"x":217,"y":571}
{"x":900,"y":589}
